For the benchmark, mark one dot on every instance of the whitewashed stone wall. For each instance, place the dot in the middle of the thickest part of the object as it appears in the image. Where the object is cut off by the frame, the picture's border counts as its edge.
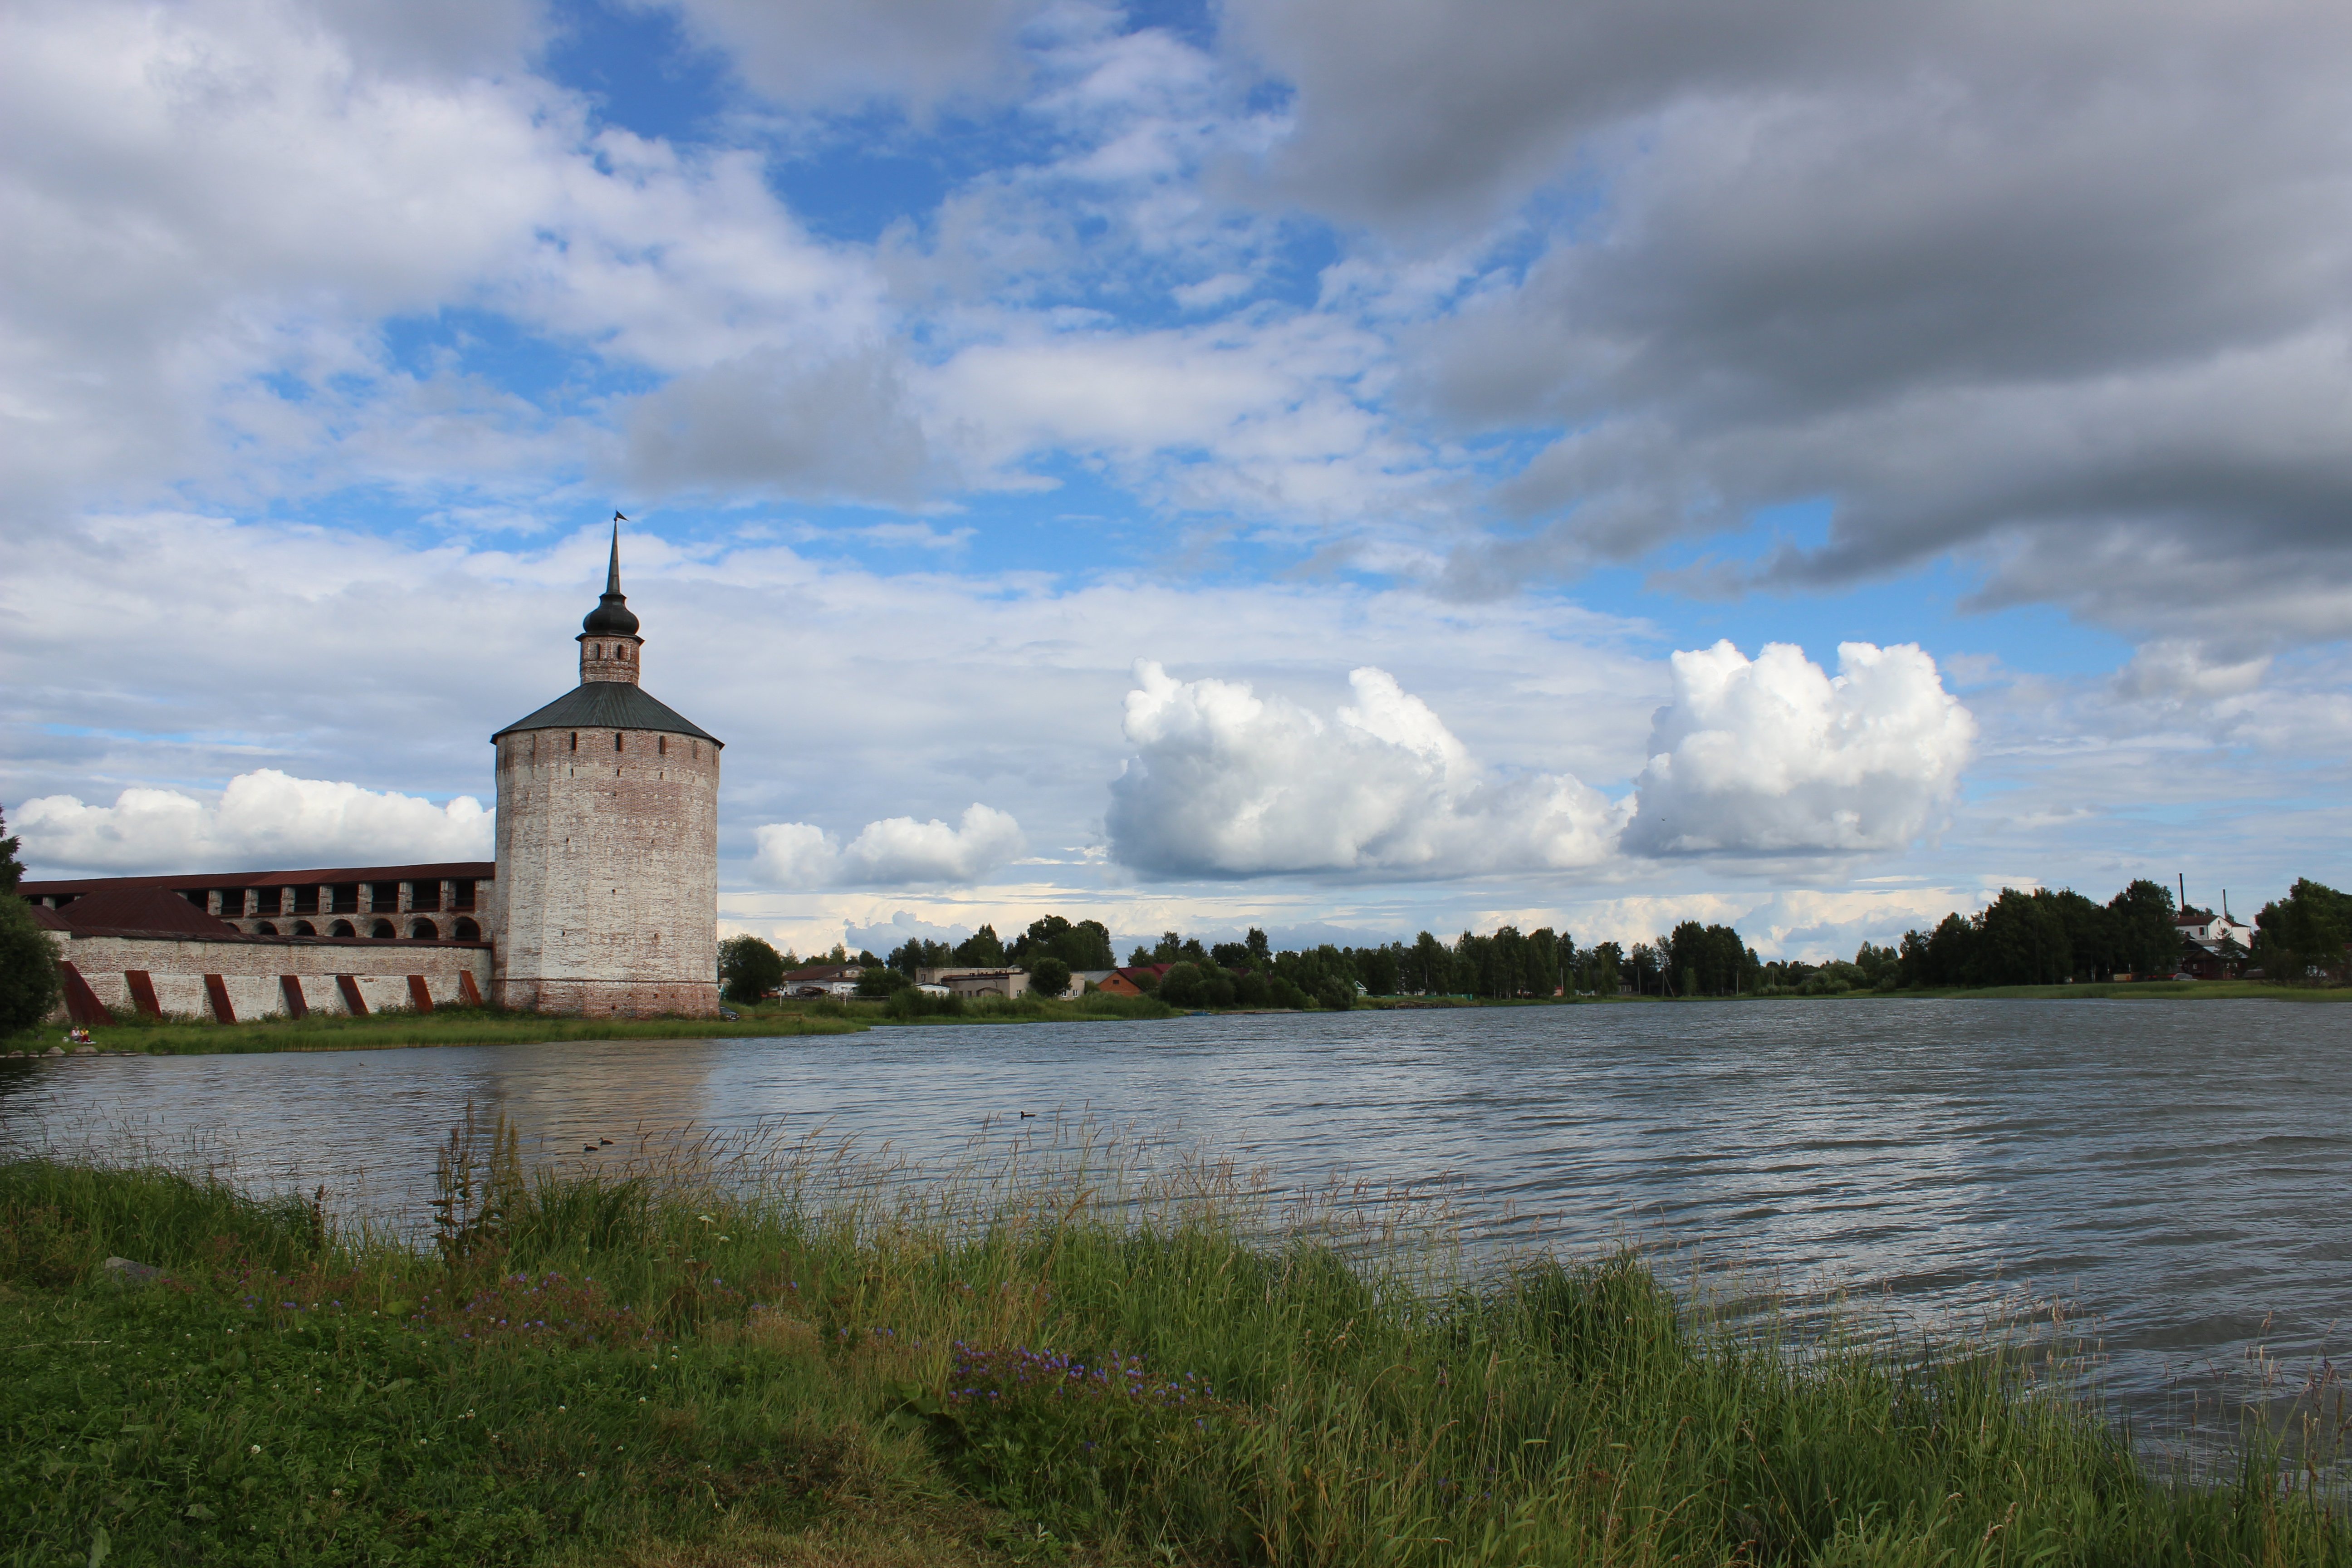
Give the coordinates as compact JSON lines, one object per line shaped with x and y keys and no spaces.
{"x":250,"y":969}
{"x":607,"y":889}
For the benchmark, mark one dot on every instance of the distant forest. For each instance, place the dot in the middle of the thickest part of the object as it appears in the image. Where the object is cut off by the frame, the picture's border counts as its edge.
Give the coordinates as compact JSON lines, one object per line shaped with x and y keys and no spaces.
{"x":2021,"y":938}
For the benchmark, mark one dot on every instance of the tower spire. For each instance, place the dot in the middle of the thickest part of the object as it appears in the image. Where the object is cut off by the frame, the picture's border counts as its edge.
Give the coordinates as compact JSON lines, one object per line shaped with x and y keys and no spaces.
{"x":613,"y":572}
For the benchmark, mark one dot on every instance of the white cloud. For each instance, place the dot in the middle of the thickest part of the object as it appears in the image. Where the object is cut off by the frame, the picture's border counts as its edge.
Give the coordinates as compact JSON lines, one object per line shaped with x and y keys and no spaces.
{"x":1774,"y":757}
{"x":1225,"y":782}
{"x":896,"y":850}
{"x":263,"y":820}
{"x":1769,"y":757}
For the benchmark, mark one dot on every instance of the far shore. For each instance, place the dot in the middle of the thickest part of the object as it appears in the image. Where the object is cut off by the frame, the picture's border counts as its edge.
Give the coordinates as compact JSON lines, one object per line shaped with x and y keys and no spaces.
{"x":387,"y":1031}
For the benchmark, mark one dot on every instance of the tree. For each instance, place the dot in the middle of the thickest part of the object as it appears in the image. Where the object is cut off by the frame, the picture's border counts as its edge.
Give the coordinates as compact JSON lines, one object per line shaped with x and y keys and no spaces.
{"x":881,"y":979}
{"x":1605,"y":964}
{"x":1084,"y":944}
{"x":2146,"y":941}
{"x":749,"y":968}
{"x":2304,"y":932}
{"x":981,"y":950}
{"x":29,"y":982}
{"x":917,"y":953}
{"x":1049,"y":976}
{"x":1432,"y":967}
{"x":2021,"y":940}
{"x":12,"y":870}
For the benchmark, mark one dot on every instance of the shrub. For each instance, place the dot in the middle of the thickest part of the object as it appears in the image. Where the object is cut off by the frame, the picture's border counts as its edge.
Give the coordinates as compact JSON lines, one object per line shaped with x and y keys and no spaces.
{"x":912,"y":1002}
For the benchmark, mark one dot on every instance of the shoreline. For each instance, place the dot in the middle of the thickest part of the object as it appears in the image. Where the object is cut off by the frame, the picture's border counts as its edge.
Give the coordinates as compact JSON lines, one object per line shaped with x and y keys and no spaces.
{"x":396,"y":1031}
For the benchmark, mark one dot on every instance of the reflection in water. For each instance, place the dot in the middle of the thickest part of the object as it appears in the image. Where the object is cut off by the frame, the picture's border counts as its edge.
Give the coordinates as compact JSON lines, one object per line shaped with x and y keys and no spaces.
{"x":2177,"y":1171}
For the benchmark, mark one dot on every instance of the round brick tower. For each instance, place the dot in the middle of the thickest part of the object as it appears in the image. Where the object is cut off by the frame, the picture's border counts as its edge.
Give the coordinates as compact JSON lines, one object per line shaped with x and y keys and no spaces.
{"x":608,"y":841}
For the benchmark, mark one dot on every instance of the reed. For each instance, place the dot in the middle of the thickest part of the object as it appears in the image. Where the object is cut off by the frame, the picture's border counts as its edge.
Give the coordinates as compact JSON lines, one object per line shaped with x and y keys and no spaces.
{"x":1057,"y":1347}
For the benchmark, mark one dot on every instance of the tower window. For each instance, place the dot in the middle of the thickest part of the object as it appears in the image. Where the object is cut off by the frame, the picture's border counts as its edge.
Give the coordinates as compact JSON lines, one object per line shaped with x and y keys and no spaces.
{"x":661,"y":745}
{"x":575,"y":740}
{"x":616,"y":739}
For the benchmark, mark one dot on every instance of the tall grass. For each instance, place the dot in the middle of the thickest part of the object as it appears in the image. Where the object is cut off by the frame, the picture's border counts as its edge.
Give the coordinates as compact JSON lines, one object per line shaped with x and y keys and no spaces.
{"x":1175,"y":1367}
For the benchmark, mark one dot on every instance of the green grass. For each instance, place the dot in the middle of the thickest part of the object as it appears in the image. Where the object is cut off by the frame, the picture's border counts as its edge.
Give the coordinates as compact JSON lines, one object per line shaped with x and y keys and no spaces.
{"x":488,"y":1026}
{"x":648,"y":1367}
{"x":443,"y":1026}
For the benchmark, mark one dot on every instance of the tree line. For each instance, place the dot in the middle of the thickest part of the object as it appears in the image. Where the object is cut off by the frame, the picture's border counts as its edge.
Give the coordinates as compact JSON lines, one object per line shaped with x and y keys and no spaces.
{"x":2045,"y":938}
{"x":2024,"y":937}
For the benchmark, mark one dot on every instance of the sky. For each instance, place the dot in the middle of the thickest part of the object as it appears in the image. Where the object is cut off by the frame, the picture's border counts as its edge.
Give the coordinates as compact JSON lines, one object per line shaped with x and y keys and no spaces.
{"x":1346,"y":469}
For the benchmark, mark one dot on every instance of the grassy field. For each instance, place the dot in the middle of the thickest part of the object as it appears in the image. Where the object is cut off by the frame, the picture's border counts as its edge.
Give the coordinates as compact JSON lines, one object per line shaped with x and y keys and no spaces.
{"x":649,"y":1368}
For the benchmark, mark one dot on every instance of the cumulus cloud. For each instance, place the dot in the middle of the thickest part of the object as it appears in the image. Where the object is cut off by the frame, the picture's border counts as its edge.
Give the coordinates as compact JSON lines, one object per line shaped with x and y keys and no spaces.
{"x":895,"y":851}
{"x":1773,"y":756}
{"x":1769,"y":757}
{"x":1224,"y":782}
{"x":263,"y":820}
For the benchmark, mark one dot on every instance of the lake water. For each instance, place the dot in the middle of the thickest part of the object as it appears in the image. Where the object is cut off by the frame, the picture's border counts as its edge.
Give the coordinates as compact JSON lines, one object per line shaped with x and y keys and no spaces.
{"x":2179,"y":1175}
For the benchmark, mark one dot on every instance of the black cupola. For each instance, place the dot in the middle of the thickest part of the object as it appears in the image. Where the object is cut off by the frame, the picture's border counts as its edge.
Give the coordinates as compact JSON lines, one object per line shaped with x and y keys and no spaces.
{"x":611,"y":618}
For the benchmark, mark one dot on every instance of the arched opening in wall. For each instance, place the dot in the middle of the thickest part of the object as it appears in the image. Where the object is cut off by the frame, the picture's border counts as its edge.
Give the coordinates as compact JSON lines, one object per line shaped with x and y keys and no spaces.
{"x":466,"y":931}
{"x":383,"y":931}
{"x":265,"y":928}
{"x":304,"y":927}
{"x":425,"y":931}
{"x":341,"y":928}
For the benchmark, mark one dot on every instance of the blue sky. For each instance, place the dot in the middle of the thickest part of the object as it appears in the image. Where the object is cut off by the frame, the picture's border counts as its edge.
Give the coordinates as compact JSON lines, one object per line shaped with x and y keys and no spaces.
{"x":1032,"y":417}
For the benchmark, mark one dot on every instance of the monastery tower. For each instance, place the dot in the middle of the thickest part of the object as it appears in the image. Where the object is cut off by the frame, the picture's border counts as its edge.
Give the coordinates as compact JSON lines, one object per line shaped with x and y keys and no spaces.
{"x":608,"y":841}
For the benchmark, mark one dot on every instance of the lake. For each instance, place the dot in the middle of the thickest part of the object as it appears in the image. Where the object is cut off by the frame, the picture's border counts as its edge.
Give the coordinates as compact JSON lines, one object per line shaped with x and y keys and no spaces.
{"x":2178,"y":1175}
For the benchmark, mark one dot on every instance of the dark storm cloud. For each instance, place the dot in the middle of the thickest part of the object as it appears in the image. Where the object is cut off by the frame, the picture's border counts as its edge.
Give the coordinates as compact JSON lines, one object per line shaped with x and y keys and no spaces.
{"x":2062,"y":288}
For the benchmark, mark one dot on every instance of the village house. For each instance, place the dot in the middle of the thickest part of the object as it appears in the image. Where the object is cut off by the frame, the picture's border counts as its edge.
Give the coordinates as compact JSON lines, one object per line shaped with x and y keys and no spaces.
{"x":972,"y":983}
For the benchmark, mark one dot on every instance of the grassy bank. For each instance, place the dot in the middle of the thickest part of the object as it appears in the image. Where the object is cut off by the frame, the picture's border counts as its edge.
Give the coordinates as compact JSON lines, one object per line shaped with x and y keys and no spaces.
{"x":488,"y":1026}
{"x":443,"y":1026}
{"x":912,"y":1007}
{"x":645,"y":1369}
{"x":2127,"y":991}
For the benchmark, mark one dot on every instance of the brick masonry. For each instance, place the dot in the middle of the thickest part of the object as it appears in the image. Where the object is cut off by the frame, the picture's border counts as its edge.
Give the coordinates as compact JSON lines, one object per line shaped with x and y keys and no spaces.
{"x":608,"y":872}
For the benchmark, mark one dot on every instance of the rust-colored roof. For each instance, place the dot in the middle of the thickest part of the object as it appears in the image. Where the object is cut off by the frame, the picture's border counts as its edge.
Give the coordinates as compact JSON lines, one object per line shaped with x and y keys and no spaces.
{"x":439,"y":871}
{"x":47,"y":919}
{"x":144,"y":910}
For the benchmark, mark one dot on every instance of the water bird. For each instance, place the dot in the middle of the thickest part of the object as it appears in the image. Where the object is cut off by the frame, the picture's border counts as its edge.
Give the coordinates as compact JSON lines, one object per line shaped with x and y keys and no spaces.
{"x":587,"y":1148}
{"x":1028,"y":1115}
{"x":604,"y":1140}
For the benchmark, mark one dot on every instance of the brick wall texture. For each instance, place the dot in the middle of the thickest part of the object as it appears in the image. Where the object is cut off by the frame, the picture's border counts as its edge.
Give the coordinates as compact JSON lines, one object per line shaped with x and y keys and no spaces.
{"x":607,"y":890}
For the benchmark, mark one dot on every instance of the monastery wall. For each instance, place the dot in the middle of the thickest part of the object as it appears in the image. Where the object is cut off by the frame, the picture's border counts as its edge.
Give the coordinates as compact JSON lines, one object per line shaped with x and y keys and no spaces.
{"x":181,"y":972}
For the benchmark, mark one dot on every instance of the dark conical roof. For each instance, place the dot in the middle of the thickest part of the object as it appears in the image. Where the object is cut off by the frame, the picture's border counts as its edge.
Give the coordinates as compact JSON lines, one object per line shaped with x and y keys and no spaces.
{"x":611,"y":618}
{"x":609,"y":705}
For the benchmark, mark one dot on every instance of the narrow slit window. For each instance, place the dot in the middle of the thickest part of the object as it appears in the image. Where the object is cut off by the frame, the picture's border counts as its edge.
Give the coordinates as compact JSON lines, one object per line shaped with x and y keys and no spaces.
{"x":575,"y":740}
{"x":616,"y":739}
{"x":661,"y":745}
